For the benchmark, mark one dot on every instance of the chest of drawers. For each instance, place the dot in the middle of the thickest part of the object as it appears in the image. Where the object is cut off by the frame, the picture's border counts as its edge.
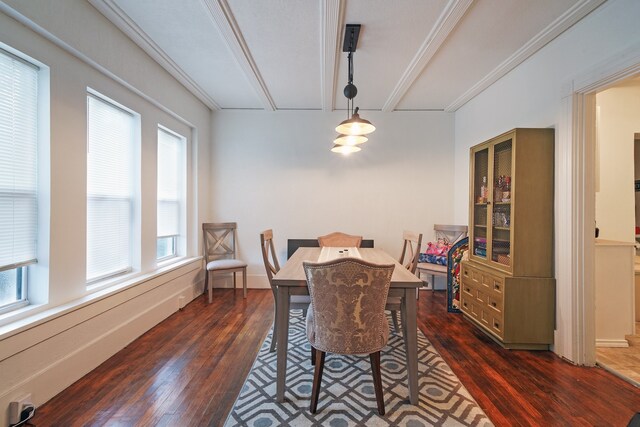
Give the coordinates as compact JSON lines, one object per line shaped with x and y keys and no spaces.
{"x":517,"y":312}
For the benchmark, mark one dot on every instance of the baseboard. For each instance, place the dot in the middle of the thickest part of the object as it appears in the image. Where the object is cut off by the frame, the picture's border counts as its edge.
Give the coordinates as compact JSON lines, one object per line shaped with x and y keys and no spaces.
{"x":612,"y":343}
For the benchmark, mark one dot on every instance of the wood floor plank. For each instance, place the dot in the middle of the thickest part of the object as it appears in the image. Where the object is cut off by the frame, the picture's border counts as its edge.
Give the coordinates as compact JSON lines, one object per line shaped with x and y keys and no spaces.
{"x":189,"y":369}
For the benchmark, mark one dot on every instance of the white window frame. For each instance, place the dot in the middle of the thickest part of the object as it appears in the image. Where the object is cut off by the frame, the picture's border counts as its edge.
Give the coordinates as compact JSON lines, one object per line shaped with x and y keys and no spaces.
{"x":181,"y":199}
{"x":99,"y":282}
{"x":32,"y":291}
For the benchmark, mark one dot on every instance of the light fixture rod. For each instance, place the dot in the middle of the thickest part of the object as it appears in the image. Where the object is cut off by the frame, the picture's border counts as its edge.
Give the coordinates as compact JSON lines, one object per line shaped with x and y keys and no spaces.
{"x":350,"y":59}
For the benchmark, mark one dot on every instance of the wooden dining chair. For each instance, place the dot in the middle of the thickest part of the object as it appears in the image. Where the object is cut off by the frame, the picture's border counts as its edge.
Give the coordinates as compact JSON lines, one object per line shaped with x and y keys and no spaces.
{"x":409,"y":260}
{"x":271,"y":265}
{"x":219,"y":244}
{"x":338,"y":239}
{"x":347,"y":316}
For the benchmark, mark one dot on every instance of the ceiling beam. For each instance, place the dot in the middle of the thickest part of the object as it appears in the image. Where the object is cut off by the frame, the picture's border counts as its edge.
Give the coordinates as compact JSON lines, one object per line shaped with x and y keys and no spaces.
{"x":220,"y":14}
{"x":332,"y":14}
{"x":119,"y":18}
{"x":447,"y":21}
{"x":553,"y":30}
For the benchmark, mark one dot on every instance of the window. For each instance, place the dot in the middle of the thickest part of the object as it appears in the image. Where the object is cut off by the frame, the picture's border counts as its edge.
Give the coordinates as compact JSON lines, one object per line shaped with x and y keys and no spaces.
{"x":18,"y":176}
{"x":111,"y":137}
{"x":171,"y":177}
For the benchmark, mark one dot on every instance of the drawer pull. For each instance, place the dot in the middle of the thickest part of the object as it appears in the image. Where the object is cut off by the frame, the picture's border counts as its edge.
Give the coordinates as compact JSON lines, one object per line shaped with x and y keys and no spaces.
{"x":493,"y":303}
{"x":465,"y":304}
{"x":468,"y":289}
{"x":496,"y":287}
{"x":496,"y":325}
{"x":466,"y":273}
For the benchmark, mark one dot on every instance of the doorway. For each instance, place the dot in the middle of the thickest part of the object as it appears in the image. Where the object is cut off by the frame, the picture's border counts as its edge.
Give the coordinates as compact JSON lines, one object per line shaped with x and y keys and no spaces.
{"x":617,"y":215}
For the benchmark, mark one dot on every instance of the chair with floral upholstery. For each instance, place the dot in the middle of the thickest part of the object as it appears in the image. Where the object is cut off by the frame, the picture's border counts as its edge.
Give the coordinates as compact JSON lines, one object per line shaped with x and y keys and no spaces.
{"x":348,"y":296}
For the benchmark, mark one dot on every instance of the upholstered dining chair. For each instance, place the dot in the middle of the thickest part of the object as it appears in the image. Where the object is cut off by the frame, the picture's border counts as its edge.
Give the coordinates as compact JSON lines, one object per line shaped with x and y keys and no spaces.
{"x":219,"y":244}
{"x":272,"y":266}
{"x":348,"y":297}
{"x":340,"y":239}
{"x":409,"y":259}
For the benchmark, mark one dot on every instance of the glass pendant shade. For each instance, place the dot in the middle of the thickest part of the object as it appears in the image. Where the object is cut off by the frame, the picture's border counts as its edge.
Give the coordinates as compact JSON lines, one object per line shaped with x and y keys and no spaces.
{"x":345,"y":149}
{"x":350,"y":139}
{"x":355,"y":126}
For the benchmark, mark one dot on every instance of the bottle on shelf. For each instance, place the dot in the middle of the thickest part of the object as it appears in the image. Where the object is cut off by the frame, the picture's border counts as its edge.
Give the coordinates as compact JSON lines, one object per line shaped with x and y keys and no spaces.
{"x":506,"y":189}
{"x":484,"y":191}
{"x":497,"y":190}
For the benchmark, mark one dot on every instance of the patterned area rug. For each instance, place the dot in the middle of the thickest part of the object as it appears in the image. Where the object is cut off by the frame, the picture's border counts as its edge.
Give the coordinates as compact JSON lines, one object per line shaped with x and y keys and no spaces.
{"x":347,"y":397}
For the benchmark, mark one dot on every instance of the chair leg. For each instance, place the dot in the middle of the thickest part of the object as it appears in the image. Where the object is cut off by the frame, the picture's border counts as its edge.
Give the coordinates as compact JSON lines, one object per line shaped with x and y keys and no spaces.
{"x":234,"y":282}
{"x":209,"y":287}
{"x":377,"y":380}
{"x":304,"y":313}
{"x":274,"y":337}
{"x":433,"y":283}
{"x":317,"y":379}
{"x":244,"y":283}
{"x":394,"y":317}
{"x":313,"y":356}
{"x":206,"y":281}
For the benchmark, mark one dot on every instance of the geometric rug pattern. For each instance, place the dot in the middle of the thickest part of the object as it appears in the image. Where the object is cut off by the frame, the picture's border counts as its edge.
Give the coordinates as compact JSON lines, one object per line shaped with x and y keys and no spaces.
{"x":347,"y":397}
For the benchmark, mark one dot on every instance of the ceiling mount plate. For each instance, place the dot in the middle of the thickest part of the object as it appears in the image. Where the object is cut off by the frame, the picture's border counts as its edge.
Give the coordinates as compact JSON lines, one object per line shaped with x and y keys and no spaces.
{"x":351,"y":33}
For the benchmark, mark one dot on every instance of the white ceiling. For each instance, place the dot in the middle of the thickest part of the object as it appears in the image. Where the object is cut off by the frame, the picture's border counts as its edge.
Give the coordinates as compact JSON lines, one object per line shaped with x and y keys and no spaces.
{"x":287,"y":54}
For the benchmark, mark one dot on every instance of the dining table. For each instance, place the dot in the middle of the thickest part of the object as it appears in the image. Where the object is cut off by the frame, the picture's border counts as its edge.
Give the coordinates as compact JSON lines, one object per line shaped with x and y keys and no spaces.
{"x":291,"y":280}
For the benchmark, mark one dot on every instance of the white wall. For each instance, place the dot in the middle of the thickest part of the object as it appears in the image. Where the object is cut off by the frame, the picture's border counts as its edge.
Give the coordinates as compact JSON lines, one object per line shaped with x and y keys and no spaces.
{"x":75,"y":331}
{"x":275,"y":170}
{"x":618,"y":121}
{"x":531,"y":96}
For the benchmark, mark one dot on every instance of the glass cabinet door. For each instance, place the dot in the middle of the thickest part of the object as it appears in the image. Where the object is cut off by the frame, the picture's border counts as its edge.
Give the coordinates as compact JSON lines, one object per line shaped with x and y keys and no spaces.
{"x":481,"y":198}
{"x":501,"y":213}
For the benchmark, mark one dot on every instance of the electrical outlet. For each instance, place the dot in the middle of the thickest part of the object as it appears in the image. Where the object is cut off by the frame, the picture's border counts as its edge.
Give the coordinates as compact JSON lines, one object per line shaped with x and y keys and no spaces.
{"x":16,"y":407}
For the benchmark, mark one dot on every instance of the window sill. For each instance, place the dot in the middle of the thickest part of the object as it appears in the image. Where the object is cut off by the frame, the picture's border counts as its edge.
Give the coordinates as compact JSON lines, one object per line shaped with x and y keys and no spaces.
{"x":33,"y":315}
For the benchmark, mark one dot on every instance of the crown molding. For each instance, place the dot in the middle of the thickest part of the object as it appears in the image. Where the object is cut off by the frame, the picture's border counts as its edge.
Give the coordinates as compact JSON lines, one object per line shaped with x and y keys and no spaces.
{"x":9,"y":11}
{"x":121,"y":20}
{"x":332,"y":15}
{"x":553,"y":30}
{"x":221,"y":16}
{"x":447,"y":21}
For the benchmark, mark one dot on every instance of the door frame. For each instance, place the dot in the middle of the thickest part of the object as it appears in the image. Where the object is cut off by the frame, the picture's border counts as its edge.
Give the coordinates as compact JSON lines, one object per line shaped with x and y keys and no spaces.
{"x":575,"y":169}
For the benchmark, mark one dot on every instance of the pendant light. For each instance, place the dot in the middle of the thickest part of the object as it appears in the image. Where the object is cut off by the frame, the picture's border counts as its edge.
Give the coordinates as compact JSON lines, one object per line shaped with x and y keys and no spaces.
{"x":353,"y":130}
{"x":345,"y":149}
{"x":356,"y":125}
{"x":350,"y":139}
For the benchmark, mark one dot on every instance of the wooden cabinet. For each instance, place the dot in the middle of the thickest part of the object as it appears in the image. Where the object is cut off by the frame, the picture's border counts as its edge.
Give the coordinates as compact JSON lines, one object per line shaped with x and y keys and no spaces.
{"x":508,"y":287}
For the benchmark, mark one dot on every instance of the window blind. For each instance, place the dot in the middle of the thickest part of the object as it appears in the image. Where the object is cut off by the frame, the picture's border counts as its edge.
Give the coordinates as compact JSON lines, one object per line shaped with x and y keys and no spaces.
{"x":171,"y":173}
{"x":18,"y":161}
{"x":110,"y":179}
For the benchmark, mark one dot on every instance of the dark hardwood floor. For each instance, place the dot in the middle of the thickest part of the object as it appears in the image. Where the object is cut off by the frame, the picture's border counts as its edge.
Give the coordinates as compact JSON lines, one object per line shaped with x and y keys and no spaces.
{"x":189,"y":369}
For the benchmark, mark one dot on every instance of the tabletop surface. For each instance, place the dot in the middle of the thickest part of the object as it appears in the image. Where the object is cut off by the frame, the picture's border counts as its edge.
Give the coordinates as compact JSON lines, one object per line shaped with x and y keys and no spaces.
{"x":292,"y":273}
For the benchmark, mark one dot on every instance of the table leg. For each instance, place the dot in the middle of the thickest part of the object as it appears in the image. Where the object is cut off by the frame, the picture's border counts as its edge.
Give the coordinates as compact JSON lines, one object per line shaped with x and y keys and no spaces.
{"x":411,"y":342}
{"x":283,"y":340}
